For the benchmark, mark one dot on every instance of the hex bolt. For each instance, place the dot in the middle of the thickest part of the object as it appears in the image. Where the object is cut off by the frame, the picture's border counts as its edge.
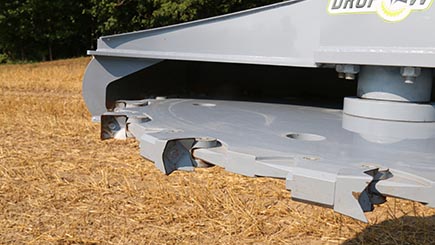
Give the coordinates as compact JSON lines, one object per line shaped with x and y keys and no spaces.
{"x":410,"y":74}
{"x":349,"y":71}
{"x":120,"y":105}
{"x":112,"y":126}
{"x":350,"y":76}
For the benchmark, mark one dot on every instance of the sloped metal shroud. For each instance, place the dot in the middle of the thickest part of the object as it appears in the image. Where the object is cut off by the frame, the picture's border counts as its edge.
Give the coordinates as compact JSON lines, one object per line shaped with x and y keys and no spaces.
{"x":298,"y":33}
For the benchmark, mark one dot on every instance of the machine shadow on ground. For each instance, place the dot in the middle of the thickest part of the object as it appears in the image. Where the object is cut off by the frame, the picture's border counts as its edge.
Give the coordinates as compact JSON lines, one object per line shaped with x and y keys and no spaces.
{"x":404,"y":230}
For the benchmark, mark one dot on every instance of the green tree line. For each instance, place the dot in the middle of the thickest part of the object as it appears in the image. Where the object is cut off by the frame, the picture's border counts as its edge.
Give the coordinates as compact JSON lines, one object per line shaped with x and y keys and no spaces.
{"x":35,"y":30}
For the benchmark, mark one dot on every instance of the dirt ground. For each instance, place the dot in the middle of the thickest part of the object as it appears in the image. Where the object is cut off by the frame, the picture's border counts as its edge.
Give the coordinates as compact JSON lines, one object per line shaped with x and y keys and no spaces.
{"x":59,"y":184}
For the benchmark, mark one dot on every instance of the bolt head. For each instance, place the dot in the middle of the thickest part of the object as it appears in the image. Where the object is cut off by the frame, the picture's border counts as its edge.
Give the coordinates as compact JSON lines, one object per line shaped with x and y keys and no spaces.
{"x":350,"y":76}
{"x":410,"y":71}
{"x":112,"y":126}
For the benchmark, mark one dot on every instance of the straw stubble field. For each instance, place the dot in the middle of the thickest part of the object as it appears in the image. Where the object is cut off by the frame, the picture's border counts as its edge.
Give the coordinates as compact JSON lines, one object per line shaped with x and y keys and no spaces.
{"x":59,"y":184}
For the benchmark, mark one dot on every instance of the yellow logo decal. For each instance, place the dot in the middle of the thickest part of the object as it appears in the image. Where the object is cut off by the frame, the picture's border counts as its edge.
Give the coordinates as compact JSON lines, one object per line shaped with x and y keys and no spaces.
{"x":389,"y":10}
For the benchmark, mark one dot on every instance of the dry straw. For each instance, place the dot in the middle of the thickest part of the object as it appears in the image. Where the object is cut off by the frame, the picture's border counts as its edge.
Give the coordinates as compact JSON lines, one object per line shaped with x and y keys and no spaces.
{"x":59,"y":184}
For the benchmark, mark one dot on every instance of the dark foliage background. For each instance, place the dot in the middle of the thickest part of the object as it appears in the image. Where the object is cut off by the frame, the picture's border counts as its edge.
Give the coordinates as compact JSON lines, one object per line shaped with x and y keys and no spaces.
{"x":35,"y":30}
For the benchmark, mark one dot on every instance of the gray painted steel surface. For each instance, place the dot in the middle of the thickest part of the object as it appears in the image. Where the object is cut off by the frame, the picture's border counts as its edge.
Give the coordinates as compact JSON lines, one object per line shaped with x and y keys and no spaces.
{"x":376,"y":148}
{"x":324,"y":156}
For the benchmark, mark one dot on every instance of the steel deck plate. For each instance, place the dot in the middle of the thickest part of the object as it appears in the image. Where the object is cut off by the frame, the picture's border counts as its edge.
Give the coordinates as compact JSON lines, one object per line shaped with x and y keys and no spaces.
{"x":325,"y":156}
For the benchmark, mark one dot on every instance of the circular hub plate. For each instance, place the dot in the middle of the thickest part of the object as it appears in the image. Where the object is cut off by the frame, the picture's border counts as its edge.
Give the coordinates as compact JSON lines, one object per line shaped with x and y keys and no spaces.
{"x":389,"y":110}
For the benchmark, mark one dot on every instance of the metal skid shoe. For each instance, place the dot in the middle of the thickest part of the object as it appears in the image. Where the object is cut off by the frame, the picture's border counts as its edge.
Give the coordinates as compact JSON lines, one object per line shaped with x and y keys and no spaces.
{"x":241,"y":93}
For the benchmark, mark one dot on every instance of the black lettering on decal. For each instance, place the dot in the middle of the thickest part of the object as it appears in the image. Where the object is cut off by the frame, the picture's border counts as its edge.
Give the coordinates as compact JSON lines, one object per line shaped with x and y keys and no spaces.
{"x":347,"y":3}
{"x":412,"y":3}
{"x":337,"y":4}
{"x":361,"y":3}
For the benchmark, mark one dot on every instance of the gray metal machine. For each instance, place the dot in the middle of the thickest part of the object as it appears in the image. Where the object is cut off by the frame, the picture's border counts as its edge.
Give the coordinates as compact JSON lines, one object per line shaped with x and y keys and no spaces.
{"x":257,"y":93}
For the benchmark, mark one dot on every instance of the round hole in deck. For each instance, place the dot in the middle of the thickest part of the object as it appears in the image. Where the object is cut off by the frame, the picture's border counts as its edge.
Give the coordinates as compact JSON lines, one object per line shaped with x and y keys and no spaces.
{"x":205,"y":104}
{"x":305,"y":137}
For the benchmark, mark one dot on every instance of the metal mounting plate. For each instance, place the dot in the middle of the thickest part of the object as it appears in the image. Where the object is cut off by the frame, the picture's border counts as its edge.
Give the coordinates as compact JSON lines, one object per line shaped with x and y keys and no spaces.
{"x":324,"y":156}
